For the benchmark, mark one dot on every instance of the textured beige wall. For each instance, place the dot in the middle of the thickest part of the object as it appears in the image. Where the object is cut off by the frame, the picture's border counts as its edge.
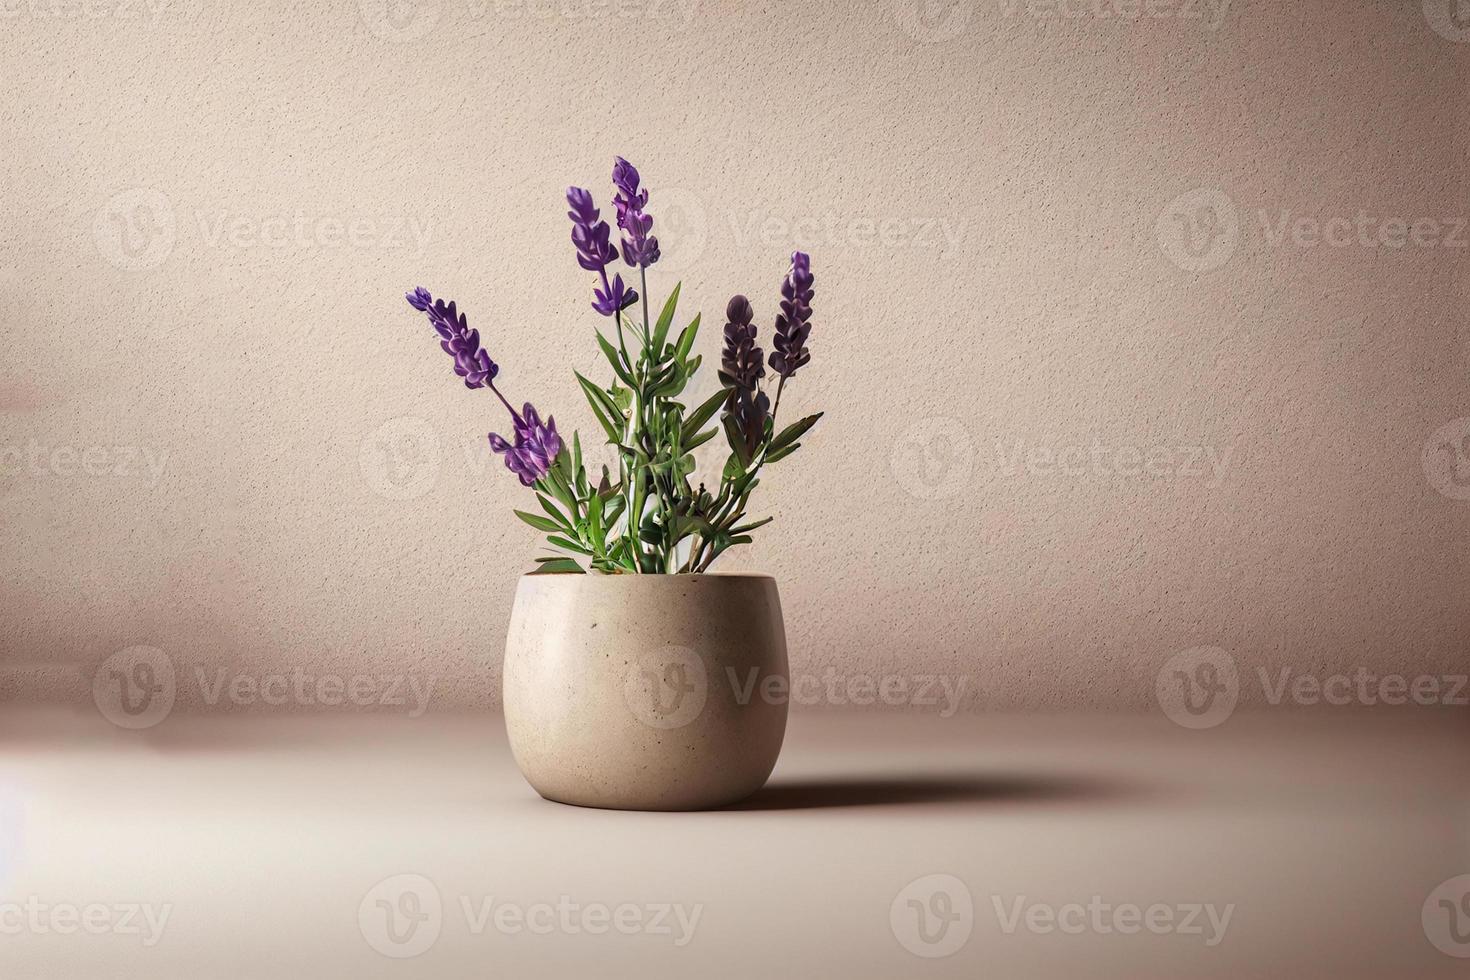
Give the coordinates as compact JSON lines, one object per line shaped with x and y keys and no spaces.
{"x":226,"y":437}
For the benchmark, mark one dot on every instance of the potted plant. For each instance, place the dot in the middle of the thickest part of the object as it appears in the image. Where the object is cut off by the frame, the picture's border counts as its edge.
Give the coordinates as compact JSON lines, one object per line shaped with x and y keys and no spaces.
{"x":634,"y":678}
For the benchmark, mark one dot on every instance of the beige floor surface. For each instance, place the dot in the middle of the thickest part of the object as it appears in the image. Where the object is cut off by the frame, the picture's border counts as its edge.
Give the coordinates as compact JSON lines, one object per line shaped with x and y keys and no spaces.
{"x":330,"y":846}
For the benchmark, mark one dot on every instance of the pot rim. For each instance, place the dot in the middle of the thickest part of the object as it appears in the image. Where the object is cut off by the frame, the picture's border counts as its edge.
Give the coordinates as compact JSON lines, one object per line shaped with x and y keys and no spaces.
{"x":672,"y":577}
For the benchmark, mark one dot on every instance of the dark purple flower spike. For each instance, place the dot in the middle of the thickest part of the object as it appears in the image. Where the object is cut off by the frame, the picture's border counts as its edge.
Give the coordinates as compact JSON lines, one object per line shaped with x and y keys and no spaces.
{"x":793,"y":324}
{"x":742,"y":365}
{"x":640,"y":249}
{"x":595,"y":251}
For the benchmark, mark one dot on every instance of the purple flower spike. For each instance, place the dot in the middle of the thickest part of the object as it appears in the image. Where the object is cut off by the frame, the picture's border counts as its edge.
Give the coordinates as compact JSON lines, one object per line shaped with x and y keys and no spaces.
{"x":590,"y":235}
{"x":535,"y":449}
{"x":640,"y":249}
{"x":793,"y":324}
{"x":594,"y":252}
{"x":458,"y":340}
{"x":610,"y":299}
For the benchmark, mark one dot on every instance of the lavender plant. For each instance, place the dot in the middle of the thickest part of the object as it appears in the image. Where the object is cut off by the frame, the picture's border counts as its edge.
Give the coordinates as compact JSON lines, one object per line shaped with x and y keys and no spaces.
{"x":650,"y":517}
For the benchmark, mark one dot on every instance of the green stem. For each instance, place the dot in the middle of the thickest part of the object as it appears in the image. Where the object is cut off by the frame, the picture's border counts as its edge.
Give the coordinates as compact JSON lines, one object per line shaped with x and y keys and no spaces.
{"x":622,"y":346}
{"x":643,"y":281}
{"x":723,"y":512}
{"x":633,"y":488}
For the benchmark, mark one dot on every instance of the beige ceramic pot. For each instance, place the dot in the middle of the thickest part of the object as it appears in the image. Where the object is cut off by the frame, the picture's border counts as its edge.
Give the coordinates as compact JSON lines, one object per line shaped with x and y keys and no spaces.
{"x":646,"y":692}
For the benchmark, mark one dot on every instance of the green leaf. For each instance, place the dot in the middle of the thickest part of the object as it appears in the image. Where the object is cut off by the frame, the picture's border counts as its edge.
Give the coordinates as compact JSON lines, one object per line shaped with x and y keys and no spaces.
{"x":663,"y":375}
{"x":691,"y":523}
{"x":703,"y":414}
{"x":538,"y":522}
{"x":661,"y":329}
{"x":603,"y":407}
{"x":556,"y":515}
{"x":615,"y":359}
{"x":560,"y":489}
{"x":630,"y":323}
{"x":671,"y":387}
{"x":598,"y":395}
{"x":699,"y":440}
{"x":594,"y":518}
{"x":793,"y":432}
{"x":782,"y":453}
{"x":752,"y":525}
{"x":651,"y":532}
{"x":613,"y":509}
{"x":623,"y":399}
{"x":686,"y":339}
{"x":736,"y":439}
{"x":557,"y":566}
{"x":563,"y":463}
{"x":561,"y":542}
